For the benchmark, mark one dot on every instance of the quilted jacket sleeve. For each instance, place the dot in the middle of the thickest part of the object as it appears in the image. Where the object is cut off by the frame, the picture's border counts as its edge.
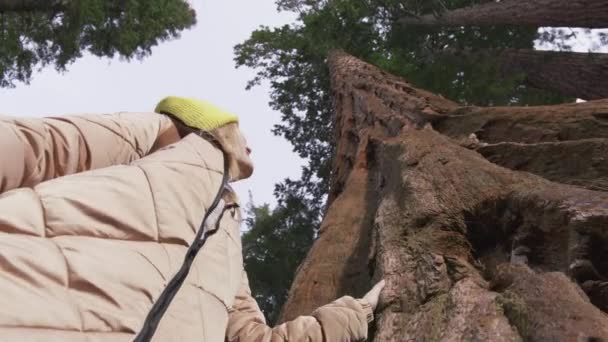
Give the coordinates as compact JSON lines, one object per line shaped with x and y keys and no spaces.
{"x":33,"y":150}
{"x":346,"y":319}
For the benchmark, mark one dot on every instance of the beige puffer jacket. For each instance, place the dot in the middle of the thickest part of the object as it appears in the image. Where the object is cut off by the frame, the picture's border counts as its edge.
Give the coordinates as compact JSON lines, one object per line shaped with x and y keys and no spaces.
{"x":94,"y":223}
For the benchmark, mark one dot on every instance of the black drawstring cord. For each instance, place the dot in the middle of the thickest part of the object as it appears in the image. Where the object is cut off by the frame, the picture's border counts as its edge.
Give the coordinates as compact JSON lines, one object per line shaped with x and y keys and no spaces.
{"x":164,"y":300}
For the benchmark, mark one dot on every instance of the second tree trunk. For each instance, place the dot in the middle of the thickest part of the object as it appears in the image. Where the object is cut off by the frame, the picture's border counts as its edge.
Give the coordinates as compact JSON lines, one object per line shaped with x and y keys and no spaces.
{"x":571,"y":13}
{"x":581,"y":75}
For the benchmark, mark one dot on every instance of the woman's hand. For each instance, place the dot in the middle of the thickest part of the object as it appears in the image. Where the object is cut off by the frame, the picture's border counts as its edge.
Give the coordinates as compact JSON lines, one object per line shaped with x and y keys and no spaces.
{"x":372,"y":296}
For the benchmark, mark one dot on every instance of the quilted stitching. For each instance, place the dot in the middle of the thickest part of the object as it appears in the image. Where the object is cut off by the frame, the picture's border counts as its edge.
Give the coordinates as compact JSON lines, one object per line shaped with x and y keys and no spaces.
{"x":206,"y":173}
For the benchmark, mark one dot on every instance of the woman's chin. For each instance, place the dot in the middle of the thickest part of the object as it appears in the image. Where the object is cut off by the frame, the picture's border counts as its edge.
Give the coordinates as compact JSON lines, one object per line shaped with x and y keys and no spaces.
{"x":248,"y":172}
{"x":245,"y":169}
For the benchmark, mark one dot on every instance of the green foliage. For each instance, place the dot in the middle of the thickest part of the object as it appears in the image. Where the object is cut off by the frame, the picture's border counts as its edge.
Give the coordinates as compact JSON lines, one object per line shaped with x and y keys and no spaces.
{"x":275,"y":243}
{"x":461,"y":63}
{"x":59,"y":35}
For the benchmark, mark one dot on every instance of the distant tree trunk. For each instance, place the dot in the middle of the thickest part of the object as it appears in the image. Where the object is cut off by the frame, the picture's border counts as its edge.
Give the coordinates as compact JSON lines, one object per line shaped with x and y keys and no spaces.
{"x":572,"y":13}
{"x":582,"y":75}
{"x":573,"y":74}
{"x":31,"y":5}
{"x":470,"y":250}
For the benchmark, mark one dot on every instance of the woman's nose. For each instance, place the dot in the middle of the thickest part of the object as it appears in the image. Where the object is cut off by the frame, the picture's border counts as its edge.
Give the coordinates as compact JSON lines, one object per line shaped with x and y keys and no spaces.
{"x":248,"y":150}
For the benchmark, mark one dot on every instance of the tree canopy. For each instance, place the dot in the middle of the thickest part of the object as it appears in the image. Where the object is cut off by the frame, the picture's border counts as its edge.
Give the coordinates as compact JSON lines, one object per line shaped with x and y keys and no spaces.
{"x":35,"y":37}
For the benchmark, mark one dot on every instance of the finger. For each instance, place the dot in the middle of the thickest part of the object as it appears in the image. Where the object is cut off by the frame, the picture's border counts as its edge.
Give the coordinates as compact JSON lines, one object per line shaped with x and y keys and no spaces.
{"x":379,"y":286}
{"x":375,"y":292}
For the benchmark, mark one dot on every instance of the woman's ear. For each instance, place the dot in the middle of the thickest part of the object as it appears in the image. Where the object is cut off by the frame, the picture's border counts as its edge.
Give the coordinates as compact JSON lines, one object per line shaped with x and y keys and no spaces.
{"x":182,"y":129}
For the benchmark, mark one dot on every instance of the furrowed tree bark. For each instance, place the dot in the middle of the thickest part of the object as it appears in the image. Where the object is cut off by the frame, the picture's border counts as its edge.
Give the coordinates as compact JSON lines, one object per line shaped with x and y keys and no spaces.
{"x":31,"y":5}
{"x":338,"y":261}
{"x":583,"y":162}
{"x":473,"y":251}
{"x":564,"y":143}
{"x":571,"y":13}
{"x":567,"y":122}
{"x":582,"y":75}
{"x":470,"y":250}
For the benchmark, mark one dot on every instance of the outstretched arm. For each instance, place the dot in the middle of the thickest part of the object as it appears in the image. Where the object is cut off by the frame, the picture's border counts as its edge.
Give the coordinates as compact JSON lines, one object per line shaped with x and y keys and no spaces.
{"x":346,"y":319}
{"x":33,"y":150}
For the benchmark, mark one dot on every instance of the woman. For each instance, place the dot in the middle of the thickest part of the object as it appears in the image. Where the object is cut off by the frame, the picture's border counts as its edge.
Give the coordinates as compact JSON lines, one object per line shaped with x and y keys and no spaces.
{"x":99,"y":213}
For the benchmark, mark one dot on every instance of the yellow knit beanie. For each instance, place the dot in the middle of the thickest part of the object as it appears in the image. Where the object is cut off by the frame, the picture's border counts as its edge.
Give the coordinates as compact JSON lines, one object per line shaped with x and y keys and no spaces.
{"x":195,"y":113}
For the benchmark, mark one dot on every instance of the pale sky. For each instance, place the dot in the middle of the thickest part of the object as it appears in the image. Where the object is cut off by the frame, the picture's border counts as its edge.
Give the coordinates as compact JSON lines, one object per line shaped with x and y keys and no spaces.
{"x":199,"y":64}
{"x":582,"y":40}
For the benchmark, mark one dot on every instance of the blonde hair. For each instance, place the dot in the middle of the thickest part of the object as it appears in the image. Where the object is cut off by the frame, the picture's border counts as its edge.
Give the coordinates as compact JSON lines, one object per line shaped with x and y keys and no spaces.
{"x":228,"y":139}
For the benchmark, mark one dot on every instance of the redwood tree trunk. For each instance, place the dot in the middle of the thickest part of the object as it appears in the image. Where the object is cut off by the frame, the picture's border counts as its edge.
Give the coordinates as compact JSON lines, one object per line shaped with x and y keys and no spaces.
{"x":572,"y":13}
{"x":470,"y":250}
{"x":30,"y":5}
{"x":582,"y":75}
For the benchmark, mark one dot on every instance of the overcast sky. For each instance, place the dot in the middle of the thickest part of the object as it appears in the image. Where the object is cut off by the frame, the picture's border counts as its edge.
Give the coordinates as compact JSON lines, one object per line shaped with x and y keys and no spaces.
{"x":199,"y":64}
{"x":581,"y":40}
